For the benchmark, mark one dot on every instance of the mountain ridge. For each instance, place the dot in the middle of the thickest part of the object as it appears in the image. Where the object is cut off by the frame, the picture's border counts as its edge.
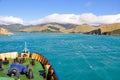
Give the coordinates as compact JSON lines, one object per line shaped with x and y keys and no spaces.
{"x":4,"y":31}
{"x":106,"y":29}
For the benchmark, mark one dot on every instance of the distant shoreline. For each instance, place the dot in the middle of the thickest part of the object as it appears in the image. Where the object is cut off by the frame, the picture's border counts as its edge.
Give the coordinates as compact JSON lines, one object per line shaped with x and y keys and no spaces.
{"x":106,"y":29}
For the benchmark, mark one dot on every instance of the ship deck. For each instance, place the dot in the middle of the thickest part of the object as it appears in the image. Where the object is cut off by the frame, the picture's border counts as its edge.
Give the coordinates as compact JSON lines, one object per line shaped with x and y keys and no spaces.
{"x":35,"y":69}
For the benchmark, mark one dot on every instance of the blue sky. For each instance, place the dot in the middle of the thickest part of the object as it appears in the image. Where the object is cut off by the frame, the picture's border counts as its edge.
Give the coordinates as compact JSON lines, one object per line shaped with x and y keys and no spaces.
{"x":35,"y":9}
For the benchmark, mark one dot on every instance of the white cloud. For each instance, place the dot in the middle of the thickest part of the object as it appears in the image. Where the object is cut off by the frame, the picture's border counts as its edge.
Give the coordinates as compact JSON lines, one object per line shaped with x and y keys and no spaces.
{"x":58,"y":18}
{"x":10,"y":20}
{"x":86,"y":18}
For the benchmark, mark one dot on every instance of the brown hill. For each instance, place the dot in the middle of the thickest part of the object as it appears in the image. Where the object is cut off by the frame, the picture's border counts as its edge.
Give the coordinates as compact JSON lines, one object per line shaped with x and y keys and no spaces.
{"x":56,"y":28}
{"x":4,"y":31}
{"x":48,"y":28}
{"x":110,"y":27}
{"x":59,"y":29}
{"x":82,"y":29}
{"x":115,"y":32}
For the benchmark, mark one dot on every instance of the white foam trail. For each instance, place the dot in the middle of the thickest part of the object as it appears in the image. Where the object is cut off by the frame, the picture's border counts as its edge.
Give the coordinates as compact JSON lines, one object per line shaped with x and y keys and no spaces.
{"x":91,"y":47}
{"x":92,"y":68}
{"x":84,"y":57}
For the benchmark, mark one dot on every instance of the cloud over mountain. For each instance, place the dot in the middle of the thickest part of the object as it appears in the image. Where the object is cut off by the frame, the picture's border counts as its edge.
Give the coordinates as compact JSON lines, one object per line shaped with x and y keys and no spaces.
{"x":10,"y":20}
{"x":86,"y":18}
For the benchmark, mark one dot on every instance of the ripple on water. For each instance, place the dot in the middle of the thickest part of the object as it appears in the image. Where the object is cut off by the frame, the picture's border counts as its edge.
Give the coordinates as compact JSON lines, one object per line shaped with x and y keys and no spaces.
{"x":74,"y":56}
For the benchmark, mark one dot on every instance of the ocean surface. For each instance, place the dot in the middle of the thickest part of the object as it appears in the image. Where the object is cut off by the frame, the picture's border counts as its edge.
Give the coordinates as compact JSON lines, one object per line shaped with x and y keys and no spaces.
{"x":73,"y":56}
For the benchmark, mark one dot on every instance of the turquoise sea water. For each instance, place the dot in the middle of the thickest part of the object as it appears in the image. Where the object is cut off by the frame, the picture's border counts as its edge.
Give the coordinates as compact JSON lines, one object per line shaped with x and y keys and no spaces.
{"x":74,"y":56}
